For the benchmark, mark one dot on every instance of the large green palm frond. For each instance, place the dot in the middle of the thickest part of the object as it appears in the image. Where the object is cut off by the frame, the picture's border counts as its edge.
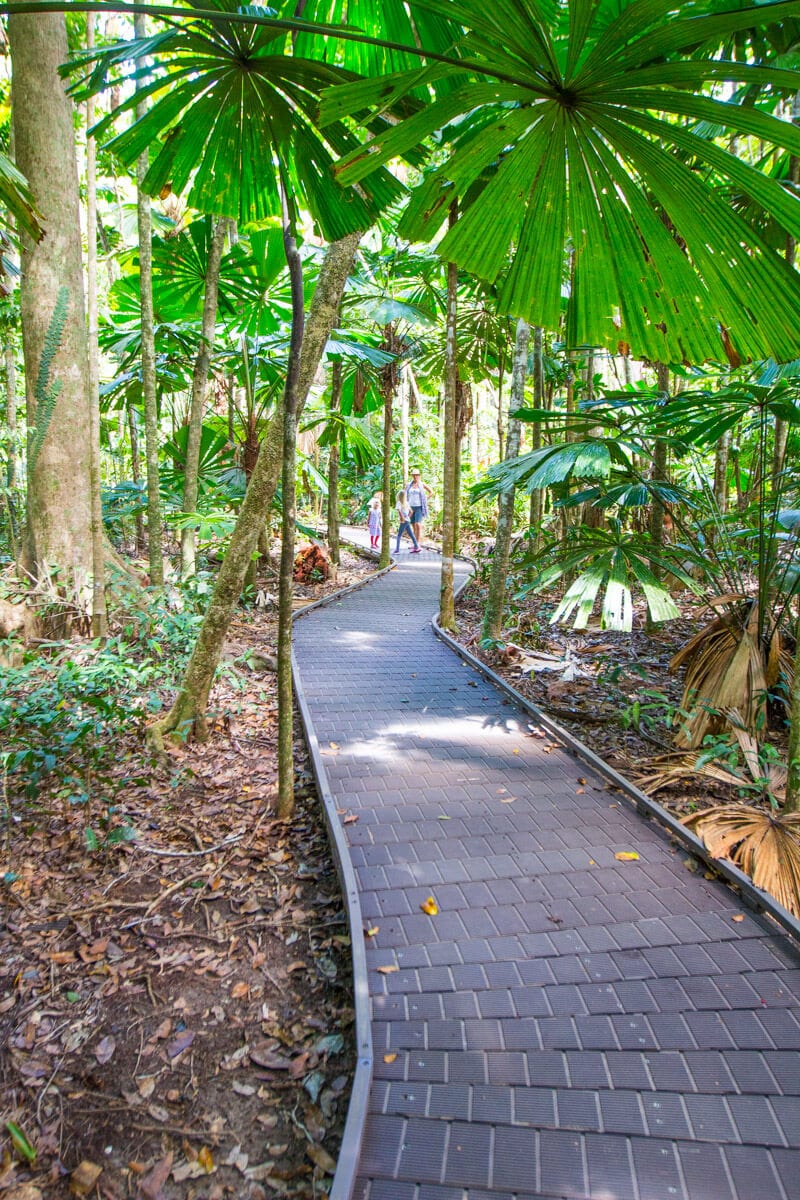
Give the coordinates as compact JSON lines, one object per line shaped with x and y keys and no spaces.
{"x":587,"y":179}
{"x":237,"y":112}
{"x":17,"y":200}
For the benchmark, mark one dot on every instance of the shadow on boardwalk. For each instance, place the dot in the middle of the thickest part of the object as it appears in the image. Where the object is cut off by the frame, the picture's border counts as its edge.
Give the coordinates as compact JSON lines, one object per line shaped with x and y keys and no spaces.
{"x":567,"y":1025}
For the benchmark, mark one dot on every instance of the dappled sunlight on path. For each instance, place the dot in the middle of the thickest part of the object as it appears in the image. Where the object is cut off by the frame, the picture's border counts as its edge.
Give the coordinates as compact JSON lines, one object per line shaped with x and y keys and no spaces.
{"x":567,"y":1024}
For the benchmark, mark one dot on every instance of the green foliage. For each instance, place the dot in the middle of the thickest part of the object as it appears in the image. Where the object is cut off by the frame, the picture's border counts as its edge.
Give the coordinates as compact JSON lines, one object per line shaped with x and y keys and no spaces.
{"x":64,"y":710}
{"x":45,"y":392}
{"x":612,"y":561}
{"x":574,"y":156}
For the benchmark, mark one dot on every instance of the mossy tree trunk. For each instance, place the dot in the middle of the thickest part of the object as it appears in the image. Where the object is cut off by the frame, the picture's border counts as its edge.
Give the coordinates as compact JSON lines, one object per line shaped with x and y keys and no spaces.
{"x":53,"y":315}
{"x":187,"y":714}
{"x":333,"y":469}
{"x":447,"y":605}
{"x":197,"y":403}
{"x":496,"y":597}
{"x":149,"y":392}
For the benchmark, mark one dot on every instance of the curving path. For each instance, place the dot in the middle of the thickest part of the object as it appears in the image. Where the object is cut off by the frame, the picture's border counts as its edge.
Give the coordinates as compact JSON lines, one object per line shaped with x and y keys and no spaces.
{"x":567,"y":1025}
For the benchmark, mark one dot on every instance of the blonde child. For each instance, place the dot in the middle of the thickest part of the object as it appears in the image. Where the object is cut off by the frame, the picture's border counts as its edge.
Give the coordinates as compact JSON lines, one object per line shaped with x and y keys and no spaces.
{"x":375,"y":520}
{"x":404,"y":522}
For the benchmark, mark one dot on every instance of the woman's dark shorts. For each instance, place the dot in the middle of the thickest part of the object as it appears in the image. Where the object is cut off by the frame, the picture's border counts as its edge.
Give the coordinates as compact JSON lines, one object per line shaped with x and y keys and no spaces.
{"x":416,"y":514}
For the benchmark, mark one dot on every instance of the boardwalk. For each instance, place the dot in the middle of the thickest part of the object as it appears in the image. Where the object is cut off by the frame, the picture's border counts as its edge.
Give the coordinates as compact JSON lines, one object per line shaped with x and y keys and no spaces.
{"x":567,"y":1025}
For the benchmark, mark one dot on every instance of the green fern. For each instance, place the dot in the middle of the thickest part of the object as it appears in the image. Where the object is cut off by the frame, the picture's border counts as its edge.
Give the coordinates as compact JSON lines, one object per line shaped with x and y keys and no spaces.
{"x":45,"y":392}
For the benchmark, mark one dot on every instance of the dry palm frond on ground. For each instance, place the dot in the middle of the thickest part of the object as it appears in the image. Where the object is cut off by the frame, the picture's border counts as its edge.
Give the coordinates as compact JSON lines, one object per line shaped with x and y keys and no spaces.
{"x":766,"y":845}
{"x":726,"y":667}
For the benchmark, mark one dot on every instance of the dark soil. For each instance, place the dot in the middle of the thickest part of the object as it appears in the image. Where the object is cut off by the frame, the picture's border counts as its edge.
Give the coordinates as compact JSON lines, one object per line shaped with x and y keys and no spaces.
{"x":176,"y":1012}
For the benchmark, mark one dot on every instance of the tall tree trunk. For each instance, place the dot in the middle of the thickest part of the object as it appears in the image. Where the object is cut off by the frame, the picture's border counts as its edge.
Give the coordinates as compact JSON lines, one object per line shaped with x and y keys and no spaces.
{"x":781,"y":424}
{"x":53,"y":315}
{"x":149,"y":393}
{"x":333,"y":469}
{"x":13,"y":457}
{"x":658,"y":472}
{"x":405,"y":387}
{"x":99,"y":613}
{"x":188,"y":711}
{"x":285,"y":805}
{"x":495,"y":600}
{"x":387,"y":506}
{"x":500,"y":376}
{"x":11,"y":411}
{"x":136,"y":473}
{"x":536,"y":431}
{"x":721,"y":456}
{"x":792,"y":802}
{"x":447,"y":605}
{"x":197,"y":403}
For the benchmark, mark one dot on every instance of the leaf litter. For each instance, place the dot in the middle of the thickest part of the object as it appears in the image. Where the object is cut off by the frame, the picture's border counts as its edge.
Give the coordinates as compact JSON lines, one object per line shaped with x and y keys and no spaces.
{"x":178,"y":1008}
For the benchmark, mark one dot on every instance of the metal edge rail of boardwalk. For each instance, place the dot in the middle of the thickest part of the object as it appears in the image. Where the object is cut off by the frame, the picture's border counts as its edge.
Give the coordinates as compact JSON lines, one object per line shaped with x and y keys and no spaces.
{"x":353,"y":1135}
{"x":762,"y":903}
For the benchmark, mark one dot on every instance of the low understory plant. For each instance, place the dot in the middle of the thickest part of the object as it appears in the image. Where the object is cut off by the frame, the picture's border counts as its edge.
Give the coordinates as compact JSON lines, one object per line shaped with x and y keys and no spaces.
{"x":66,"y":709}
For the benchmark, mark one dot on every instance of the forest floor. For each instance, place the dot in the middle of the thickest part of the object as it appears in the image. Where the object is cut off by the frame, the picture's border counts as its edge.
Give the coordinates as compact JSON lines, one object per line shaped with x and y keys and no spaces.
{"x":176,"y":1009}
{"x":613,"y":691}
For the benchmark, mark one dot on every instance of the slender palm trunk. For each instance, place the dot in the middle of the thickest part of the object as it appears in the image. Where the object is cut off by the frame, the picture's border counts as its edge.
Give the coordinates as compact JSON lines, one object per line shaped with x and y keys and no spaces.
{"x":536,"y":433}
{"x":658,"y":471}
{"x":136,"y":474}
{"x":188,"y":711}
{"x":197,"y":404}
{"x":12,"y":461}
{"x":386,"y":530}
{"x":333,"y":469}
{"x":405,"y":387}
{"x":99,"y":613}
{"x":495,"y":600}
{"x":285,"y":805}
{"x":721,"y":457}
{"x":149,"y":393}
{"x":447,"y":606}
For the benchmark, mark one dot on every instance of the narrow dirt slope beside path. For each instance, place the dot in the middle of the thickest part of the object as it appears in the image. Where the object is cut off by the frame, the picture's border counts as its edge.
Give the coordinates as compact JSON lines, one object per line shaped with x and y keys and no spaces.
{"x":567,"y":1024}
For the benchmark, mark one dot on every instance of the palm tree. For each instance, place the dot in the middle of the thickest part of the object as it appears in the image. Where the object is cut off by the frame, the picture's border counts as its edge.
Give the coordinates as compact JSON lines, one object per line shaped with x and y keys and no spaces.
{"x":236,"y":111}
{"x":585,"y":117}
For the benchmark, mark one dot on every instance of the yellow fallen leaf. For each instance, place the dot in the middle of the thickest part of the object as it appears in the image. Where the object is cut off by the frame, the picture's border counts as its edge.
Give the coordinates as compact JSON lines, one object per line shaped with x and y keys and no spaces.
{"x":206,"y":1160}
{"x":430,"y":906}
{"x":627,"y":856}
{"x":516,"y":751}
{"x":388,"y":970}
{"x":738,"y":917}
{"x":334,"y":745}
{"x":508,"y":799}
{"x":389,"y":1058}
{"x":373,"y":929}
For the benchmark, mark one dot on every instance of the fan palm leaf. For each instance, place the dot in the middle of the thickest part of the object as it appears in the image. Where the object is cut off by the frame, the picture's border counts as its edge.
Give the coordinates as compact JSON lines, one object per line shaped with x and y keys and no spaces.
{"x":237,"y":114}
{"x":586,"y":117}
{"x":765,"y":845}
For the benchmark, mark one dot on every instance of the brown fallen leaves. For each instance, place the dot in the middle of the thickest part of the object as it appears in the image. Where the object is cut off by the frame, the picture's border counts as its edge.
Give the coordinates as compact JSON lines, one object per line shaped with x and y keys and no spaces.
{"x":177,"y":1008}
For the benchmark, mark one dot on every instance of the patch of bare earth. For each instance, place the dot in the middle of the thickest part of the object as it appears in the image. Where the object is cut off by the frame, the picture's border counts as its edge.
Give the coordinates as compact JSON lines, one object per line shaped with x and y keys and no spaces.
{"x":176,"y":1011}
